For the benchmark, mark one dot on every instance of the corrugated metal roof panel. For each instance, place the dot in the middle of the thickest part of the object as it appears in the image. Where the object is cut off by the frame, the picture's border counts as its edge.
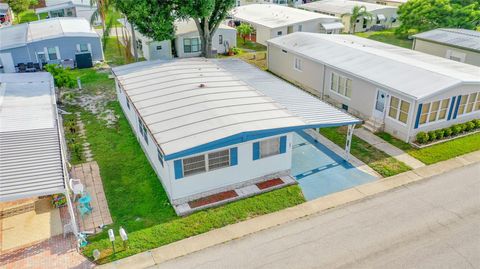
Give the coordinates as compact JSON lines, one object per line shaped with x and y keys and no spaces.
{"x":342,"y":6}
{"x":464,"y":38}
{"x":31,"y":161}
{"x":188,"y":103}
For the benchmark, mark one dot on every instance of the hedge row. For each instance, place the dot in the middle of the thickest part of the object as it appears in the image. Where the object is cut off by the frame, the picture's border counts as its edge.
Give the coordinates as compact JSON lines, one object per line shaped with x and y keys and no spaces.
{"x":424,"y":138}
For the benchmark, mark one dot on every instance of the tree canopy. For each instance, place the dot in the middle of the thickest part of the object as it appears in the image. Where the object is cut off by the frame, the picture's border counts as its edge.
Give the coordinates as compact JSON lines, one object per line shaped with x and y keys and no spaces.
{"x":155,"y":19}
{"x":423,"y":15}
{"x":19,"y":6}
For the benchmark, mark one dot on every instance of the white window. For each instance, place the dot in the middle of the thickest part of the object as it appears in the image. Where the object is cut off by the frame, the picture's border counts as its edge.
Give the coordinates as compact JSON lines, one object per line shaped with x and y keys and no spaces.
{"x":191,"y":45}
{"x":279,"y":33}
{"x":128,"y":102}
{"x":160,"y":156}
{"x":220,"y":39}
{"x":298,"y":64}
{"x":218,"y":159}
{"x":194,"y":165}
{"x":434,"y":111}
{"x":83,"y":48}
{"x":341,"y":85}
{"x":269,"y":147}
{"x":399,"y":109}
{"x":52,"y":54}
{"x":469,"y":103}
{"x":143,"y":130}
{"x":206,"y":162}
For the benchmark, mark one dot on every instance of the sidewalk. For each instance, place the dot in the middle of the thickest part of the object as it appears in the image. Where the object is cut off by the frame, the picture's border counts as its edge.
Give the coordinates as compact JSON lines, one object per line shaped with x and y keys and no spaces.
{"x":388,"y":148}
{"x":230,"y":232}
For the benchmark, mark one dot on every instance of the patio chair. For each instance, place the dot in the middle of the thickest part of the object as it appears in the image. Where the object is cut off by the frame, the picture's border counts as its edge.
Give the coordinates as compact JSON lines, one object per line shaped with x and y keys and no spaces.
{"x":30,"y":67}
{"x":22,"y":68}
{"x":77,"y":187}
{"x":37,"y":67}
{"x":83,"y":210}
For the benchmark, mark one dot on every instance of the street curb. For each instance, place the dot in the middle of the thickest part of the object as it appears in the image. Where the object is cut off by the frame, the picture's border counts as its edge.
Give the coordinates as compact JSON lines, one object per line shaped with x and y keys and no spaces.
{"x":238,"y":230}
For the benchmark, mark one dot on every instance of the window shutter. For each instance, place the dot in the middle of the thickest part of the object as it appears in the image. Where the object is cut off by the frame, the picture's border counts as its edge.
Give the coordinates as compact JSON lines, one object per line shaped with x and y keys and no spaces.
{"x":177,"y":165}
{"x":233,"y":156}
{"x":283,"y":144}
{"x":452,"y":105}
{"x":58,"y":53}
{"x":256,"y":150}
{"x":459,"y":98}
{"x":419,"y":112}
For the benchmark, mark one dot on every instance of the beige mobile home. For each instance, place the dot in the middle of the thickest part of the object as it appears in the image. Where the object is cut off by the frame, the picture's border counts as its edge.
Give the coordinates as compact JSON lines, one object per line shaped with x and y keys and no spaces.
{"x":394,"y":3}
{"x":460,"y":45}
{"x":270,"y":21}
{"x":383,"y":16}
{"x":394,"y":89}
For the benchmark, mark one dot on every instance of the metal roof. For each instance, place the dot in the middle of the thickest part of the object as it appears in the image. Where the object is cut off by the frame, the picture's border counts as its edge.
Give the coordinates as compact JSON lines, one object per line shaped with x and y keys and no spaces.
{"x":21,"y":34}
{"x":463,"y":38}
{"x":189,"y":103}
{"x":31,"y":162}
{"x":341,"y":6}
{"x":275,"y":16}
{"x":4,"y":7}
{"x":409,"y":72}
{"x":65,"y":5}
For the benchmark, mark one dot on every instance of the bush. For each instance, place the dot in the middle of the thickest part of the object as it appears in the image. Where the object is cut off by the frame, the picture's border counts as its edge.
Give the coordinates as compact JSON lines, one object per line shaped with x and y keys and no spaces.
{"x":62,"y":77}
{"x":470,"y":126}
{"x":432,"y":136}
{"x":464,"y":127}
{"x":448,"y":131}
{"x":477,"y":123}
{"x":456,"y":129}
{"x":422,"y":137}
{"x":440,"y":133}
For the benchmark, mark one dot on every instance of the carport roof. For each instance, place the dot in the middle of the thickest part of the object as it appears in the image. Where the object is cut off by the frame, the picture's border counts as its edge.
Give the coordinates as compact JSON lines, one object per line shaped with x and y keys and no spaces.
{"x":192,"y":105}
{"x":411,"y":73}
{"x":31,"y":162}
{"x":275,"y":16}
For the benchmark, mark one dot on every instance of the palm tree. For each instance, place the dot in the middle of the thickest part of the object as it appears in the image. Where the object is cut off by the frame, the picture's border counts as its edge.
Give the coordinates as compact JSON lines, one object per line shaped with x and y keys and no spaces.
{"x":358,"y":12}
{"x":101,"y":11}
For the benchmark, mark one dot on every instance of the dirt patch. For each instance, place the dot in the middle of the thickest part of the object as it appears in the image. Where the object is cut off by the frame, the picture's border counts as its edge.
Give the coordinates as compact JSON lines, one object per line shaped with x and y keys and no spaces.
{"x":269,"y":183}
{"x":213,"y":199}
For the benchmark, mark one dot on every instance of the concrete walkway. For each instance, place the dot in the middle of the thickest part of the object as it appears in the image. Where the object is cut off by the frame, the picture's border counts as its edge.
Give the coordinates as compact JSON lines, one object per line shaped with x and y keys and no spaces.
{"x":388,"y":148}
{"x":234,"y":231}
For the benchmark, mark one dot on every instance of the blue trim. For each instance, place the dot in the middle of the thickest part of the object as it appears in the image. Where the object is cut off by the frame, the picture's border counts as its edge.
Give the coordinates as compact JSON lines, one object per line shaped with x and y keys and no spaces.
{"x":233,"y":156}
{"x":256,"y":150}
{"x":177,"y":164}
{"x":456,"y":107}
{"x":248,"y":136}
{"x":452,"y":105}
{"x":419,"y":112}
{"x":283,"y":144}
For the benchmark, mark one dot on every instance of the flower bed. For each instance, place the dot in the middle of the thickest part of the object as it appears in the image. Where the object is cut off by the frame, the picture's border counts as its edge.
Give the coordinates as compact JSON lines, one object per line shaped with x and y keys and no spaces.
{"x":435,"y":136}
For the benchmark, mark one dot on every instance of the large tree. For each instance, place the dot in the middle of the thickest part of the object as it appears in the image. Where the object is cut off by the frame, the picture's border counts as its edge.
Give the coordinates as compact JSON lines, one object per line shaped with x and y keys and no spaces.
{"x":155,"y":19}
{"x":19,"y":6}
{"x":423,"y":15}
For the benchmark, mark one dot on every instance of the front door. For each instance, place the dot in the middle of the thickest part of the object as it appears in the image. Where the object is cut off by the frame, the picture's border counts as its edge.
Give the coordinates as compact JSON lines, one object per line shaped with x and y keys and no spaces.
{"x":380,"y":102}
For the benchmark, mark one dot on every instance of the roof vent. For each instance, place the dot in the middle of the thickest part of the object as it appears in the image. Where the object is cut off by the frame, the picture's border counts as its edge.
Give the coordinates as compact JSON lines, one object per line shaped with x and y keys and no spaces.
{"x":202,"y":85}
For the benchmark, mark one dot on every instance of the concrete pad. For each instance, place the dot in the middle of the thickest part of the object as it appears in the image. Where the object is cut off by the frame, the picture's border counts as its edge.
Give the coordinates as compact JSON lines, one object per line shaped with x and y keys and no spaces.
{"x":372,"y":188}
{"x":141,"y":260}
{"x":247,"y":190}
{"x":168,"y":252}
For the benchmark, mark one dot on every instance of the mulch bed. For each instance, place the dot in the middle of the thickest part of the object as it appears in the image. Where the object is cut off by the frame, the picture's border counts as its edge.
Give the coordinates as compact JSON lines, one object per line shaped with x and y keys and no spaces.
{"x":269,"y":183}
{"x":213,"y":199}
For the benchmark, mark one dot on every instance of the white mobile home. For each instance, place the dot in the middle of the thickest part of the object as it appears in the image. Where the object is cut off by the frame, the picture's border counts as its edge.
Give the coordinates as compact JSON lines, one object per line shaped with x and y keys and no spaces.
{"x":394,"y":3}
{"x":270,"y":21}
{"x":383,"y":16}
{"x":187,"y":42}
{"x":73,"y":8}
{"x":68,"y":41}
{"x":398,"y":90}
{"x":460,"y":45}
{"x":209,"y":126}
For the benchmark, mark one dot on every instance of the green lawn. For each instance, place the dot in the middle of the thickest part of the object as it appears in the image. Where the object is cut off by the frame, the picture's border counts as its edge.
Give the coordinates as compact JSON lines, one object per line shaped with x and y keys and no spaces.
{"x":438,"y":152}
{"x":26,"y":16}
{"x":376,"y":159}
{"x":387,"y":36}
{"x":249,"y":45}
{"x":115,"y":52}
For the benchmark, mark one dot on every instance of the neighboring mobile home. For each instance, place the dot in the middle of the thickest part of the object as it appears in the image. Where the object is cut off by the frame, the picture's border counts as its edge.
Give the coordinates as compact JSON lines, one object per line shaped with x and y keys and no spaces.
{"x":460,"y":45}
{"x":209,"y":126}
{"x":72,"y":8}
{"x":270,"y":21}
{"x":6,"y":15}
{"x":383,"y":16}
{"x":398,"y":90}
{"x":394,"y":3}
{"x":187,"y":42}
{"x":68,"y":41}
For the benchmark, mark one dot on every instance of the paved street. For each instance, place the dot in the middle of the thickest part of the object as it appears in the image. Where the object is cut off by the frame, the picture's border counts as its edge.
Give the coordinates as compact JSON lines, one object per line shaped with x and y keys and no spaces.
{"x":431,"y":224}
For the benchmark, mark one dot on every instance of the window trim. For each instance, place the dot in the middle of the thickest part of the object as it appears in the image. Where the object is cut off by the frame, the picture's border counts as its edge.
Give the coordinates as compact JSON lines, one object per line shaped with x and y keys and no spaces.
{"x":199,"y":44}
{"x":428,"y":123}
{"x":265,"y":141}
{"x":475,"y":103}
{"x":338,"y":85}
{"x":220,"y":39}
{"x":206,"y":159}
{"x":295,"y":59}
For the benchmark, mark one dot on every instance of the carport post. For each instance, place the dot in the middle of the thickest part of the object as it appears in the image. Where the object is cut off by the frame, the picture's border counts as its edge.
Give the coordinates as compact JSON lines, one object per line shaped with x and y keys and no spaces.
{"x":348,"y":143}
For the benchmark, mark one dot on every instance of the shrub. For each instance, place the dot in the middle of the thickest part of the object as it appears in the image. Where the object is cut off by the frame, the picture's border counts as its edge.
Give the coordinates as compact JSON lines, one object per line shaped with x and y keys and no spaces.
{"x":62,"y":77}
{"x":477,"y":123}
{"x":448,"y":131}
{"x":464,"y":127}
{"x":440,"y":133}
{"x":469,"y":126}
{"x":432,"y":136}
{"x":422,"y":137}
{"x":456,"y":129}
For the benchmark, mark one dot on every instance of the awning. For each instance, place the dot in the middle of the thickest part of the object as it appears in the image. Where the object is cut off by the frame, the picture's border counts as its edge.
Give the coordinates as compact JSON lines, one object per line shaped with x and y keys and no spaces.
{"x":54,"y":7}
{"x":381,"y":17}
{"x":332,"y":25}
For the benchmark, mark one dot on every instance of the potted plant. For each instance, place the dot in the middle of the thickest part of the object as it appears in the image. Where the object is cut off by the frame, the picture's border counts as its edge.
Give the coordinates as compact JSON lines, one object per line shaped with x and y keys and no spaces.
{"x":59,"y":200}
